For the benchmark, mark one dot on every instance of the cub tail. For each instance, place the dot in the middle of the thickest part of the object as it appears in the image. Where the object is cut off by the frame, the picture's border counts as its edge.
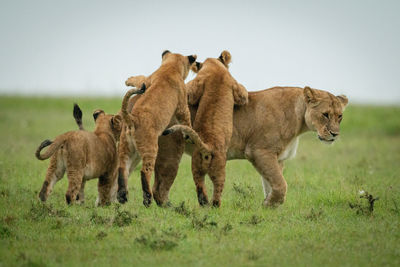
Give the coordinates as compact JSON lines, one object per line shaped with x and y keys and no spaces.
{"x":78,"y":116}
{"x":127,"y":117}
{"x":205,"y":150}
{"x":50,"y":151}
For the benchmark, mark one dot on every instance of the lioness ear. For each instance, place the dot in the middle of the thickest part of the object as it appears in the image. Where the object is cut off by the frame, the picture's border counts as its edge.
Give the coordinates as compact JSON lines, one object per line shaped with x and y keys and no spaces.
{"x":96,"y":113}
{"x":116,"y":122}
{"x":343,"y":100}
{"x":309,"y":95}
{"x":225,"y":58}
{"x":164,"y":53}
{"x":192,"y":59}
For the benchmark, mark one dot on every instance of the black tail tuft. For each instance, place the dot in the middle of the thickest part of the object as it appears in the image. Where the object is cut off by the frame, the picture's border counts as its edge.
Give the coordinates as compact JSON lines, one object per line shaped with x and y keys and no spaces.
{"x":45,"y":143}
{"x":78,"y":115}
{"x":167,"y":132}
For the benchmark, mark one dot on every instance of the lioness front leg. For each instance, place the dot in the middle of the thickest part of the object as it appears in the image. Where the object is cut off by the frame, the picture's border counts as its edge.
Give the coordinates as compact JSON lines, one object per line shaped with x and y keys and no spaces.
{"x":267,"y":165}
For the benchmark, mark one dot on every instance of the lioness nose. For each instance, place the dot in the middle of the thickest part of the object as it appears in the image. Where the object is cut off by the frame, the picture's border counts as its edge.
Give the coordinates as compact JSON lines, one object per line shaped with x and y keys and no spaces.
{"x":333,"y":134}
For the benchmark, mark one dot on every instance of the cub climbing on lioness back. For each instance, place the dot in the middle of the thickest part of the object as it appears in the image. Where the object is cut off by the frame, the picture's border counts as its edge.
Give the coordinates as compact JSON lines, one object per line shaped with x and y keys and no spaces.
{"x":216,"y":92}
{"x":165,"y":97}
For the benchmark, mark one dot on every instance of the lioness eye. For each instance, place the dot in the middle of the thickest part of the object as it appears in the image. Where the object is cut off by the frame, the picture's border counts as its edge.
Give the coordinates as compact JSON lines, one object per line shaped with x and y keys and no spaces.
{"x":326,"y":115}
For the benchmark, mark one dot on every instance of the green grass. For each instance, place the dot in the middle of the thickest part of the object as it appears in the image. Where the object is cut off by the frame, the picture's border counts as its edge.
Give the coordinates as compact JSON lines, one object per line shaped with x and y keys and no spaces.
{"x":314,"y":227}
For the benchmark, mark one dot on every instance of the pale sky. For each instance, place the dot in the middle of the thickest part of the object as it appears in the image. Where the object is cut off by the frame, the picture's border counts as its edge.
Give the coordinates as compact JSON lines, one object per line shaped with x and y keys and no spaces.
{"x":90,"y":47}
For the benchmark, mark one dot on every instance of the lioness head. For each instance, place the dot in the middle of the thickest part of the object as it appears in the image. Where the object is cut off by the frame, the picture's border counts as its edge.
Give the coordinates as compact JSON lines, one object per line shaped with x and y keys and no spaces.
{"x":185,"y":61}
{"x":324,"y":112}
{"x":108,"y":123}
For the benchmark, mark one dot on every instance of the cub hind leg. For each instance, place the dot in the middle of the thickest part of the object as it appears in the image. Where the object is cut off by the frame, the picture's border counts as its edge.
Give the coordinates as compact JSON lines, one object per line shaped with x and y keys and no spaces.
{"x":199,"y":177}
{"x":80,"y":198}
{"x":55,"y":172}
{"x":105,"y":186}
{"x":217,"y":175}
{"x":75,"y":178}
{"x":147,"y":146}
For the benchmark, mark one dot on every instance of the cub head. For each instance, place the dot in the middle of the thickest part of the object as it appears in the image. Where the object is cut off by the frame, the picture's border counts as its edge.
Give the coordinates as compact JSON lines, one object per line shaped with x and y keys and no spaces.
{"x":108,"y":123}
{"x":324,"y":112}
{"x":185,"y":61}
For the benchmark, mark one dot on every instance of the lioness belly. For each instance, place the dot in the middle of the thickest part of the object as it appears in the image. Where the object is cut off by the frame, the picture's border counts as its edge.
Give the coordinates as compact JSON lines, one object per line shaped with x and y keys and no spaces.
{"x":290,"y":150}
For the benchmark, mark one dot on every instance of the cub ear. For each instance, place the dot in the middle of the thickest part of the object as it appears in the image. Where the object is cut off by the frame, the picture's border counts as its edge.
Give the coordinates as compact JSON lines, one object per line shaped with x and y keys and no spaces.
{"x":164,"y":53}
{"x":116,"y":122}
{"x":343,"y":100}
{"x":192,"y":59}
{"x":225,"y":58}
{"x":96,"y":113}
{"x":196,"y":67}
{"x":309,"y":95}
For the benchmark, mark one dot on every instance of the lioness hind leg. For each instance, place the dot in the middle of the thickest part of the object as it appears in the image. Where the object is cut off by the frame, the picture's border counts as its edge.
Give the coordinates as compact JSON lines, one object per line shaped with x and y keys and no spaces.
{"x":164,"y":177}
{"x":167,"y":163}
{"x":54,"y":173}
{"x":271,"y":170}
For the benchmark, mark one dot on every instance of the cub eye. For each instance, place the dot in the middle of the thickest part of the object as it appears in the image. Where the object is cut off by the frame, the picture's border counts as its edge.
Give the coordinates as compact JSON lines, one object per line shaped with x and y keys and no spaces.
{"x":340,"y":117}
{"x":326,"y":115}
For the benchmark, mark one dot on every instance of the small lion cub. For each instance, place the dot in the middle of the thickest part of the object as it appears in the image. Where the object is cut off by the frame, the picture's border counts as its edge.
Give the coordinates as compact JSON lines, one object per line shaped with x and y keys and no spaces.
{"x":84,"y":155}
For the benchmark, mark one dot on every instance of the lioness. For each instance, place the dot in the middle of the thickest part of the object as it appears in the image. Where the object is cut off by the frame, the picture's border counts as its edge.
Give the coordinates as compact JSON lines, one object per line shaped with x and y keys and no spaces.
{"x":84,"y":155}
{"x":265,"y":132}
{"x":215,"y":92}
{"x":165,"y":97}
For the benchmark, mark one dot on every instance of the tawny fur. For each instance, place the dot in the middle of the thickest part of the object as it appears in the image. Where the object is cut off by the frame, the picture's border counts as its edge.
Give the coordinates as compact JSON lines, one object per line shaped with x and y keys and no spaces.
{"x":84,"y":155}
{"x":263,"y":131}
{"x":215,"y":92}
{"x":165,"y":97}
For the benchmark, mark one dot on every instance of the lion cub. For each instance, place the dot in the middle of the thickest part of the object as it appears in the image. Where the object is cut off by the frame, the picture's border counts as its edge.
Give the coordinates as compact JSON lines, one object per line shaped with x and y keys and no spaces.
{"x":84,"y":156}
{"x":216,"y":92}
{"x":165,"y":97}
